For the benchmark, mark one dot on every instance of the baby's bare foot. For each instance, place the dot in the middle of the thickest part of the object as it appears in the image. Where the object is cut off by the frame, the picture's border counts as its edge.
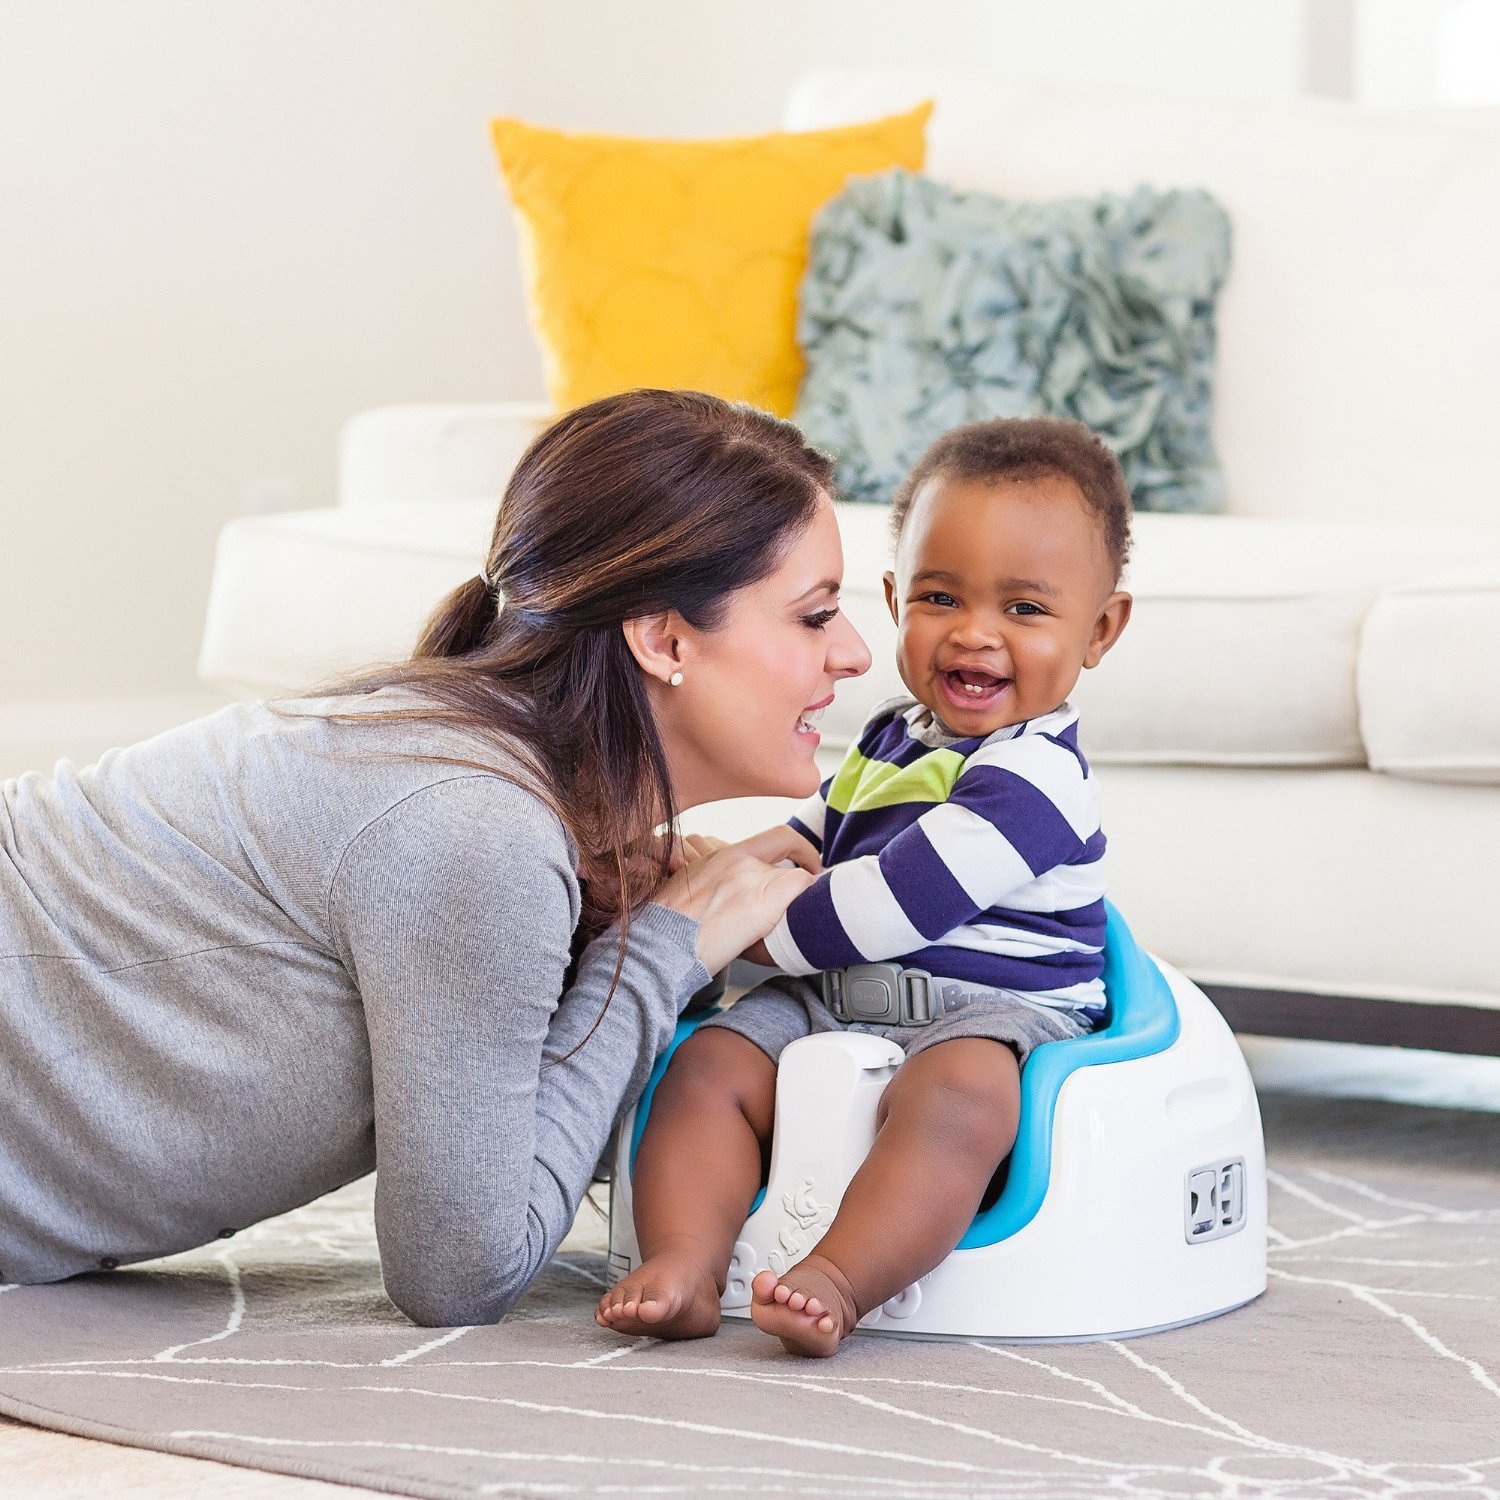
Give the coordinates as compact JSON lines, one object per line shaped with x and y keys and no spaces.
{"x":810,"y":1309}
{"x":670,"y":1296}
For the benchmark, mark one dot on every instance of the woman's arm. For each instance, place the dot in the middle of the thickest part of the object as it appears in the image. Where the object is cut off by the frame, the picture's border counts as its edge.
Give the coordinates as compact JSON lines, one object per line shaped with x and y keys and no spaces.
{"x":457,"y":908}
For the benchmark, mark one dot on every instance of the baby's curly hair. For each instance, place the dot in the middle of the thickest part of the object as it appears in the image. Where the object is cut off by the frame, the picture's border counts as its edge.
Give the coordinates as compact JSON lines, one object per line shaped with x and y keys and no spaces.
{"x":1029,"y":448}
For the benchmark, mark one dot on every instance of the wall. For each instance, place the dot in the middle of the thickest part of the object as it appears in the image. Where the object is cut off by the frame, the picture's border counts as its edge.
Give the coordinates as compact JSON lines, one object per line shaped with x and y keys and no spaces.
{"x":228,"y":226}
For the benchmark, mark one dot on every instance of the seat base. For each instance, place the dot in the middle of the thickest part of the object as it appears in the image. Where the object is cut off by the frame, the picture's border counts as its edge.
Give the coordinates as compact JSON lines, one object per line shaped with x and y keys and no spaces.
{"x":1106,"y":1255}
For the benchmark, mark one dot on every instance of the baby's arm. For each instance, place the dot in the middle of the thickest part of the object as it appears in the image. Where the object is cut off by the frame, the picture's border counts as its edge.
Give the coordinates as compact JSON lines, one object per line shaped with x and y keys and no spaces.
{"x":809,"y":818}
{"x":1001,"y":827}
{"x":807,"y":822}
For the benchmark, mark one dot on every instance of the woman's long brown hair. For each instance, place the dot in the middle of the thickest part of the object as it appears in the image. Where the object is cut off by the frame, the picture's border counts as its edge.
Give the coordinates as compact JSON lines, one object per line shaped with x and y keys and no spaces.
{"x":627,"y":507}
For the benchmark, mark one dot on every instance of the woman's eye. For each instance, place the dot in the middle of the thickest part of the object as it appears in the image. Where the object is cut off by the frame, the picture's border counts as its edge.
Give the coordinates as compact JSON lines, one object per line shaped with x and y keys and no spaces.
{"x":820,"y":620}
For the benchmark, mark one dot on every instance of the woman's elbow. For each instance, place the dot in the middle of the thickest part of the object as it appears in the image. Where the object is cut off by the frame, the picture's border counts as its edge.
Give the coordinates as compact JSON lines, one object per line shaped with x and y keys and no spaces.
{"x":432,"y":1303}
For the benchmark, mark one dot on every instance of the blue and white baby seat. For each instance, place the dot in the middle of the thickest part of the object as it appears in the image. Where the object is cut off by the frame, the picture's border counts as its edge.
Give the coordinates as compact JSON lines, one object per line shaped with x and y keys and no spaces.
{"x":1135,"y":1199}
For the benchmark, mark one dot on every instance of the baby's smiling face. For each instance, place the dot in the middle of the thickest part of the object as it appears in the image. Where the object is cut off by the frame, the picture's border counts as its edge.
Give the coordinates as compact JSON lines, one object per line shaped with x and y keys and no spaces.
{"x":1002,"y":594}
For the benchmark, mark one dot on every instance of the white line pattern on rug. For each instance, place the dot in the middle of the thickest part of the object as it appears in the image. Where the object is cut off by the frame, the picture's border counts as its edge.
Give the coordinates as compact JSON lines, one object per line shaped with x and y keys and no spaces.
{"x":603,"y":1359}
{"x":890,"y":1482}
{"x":236,"y":1312}
{"x":1216,"y":1454}
{"x":427,"y":1348}
{"x":1365,"y":1294}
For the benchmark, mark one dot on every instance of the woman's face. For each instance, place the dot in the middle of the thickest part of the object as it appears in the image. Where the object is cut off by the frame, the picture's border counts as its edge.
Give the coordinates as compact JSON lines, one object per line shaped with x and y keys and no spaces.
{"x":743,"y":720}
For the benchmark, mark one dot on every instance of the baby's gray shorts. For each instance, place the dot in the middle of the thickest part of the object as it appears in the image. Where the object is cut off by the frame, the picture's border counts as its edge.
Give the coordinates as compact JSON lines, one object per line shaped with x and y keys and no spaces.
{"x":785,"y":1009}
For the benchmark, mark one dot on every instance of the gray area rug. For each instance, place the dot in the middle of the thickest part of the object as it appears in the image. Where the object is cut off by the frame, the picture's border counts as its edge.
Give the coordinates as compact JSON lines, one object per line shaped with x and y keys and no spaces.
{"x":1370,"y":1368}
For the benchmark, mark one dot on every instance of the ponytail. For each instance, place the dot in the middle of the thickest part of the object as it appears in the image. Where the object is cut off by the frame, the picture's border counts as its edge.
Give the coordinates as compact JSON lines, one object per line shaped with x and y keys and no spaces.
{"x":635,"y":504}
{"x":460,"y":623}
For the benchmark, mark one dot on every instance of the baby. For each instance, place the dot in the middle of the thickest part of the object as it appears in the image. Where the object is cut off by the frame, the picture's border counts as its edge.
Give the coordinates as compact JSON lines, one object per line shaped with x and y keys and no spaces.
{"x":960,"y":838}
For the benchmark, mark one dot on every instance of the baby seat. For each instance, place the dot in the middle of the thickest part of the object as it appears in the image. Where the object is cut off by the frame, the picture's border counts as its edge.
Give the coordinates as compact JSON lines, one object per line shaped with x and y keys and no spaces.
{"x":1135,"y":1199}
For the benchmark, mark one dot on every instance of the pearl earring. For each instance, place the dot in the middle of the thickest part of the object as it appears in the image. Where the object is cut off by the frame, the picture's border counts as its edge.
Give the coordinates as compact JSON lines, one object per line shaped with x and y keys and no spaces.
{"x":675,"y":679}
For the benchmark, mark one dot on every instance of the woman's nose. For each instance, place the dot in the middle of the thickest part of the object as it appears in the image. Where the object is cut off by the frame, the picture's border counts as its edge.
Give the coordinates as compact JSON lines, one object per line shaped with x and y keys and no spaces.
{"x":848,"y":656}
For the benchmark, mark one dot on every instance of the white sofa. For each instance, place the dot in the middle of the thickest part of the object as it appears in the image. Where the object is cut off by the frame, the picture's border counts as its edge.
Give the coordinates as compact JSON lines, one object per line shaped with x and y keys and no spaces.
{"x":1299,"y":734}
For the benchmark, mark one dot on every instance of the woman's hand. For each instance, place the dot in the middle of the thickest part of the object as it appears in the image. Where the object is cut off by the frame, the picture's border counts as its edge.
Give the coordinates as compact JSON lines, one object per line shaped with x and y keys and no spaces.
{"x":783,"y":842}
{"x":735,"y":892}
{"x":773,"y":845}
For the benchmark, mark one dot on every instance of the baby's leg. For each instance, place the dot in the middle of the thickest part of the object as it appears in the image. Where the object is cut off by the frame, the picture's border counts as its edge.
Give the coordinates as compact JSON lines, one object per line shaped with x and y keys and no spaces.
{"x":945,"y":1122}
{"x":696,"y":1174}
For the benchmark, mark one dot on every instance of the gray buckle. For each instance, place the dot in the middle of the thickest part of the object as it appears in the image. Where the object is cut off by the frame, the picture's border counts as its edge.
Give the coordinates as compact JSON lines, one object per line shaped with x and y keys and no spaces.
{"x":880,"y":995}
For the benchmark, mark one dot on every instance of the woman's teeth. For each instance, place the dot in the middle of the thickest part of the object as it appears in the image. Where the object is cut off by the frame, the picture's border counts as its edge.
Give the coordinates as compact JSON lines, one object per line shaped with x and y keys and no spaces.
{"x":810,"y":719}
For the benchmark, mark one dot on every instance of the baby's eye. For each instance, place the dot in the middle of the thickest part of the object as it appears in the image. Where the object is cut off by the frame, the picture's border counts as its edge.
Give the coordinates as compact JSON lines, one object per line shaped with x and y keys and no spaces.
{"x":1026,"y":607}
{"x":820,"y":620}
{"x":943,"y":601}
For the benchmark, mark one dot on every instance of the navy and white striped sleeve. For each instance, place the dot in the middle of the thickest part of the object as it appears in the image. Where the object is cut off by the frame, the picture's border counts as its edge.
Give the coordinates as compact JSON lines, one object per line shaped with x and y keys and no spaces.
{"x":809,"y":818}
{"x":1016,"y":810}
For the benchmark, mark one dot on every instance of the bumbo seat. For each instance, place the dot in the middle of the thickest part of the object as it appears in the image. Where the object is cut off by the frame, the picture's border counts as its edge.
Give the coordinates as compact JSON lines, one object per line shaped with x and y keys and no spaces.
{"x":1135,"y":1199}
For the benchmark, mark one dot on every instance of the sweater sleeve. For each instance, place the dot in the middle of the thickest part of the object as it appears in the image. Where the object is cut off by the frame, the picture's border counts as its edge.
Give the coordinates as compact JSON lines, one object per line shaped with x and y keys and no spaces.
{"x":494,"y":1091}
{"x":1001,"y":827}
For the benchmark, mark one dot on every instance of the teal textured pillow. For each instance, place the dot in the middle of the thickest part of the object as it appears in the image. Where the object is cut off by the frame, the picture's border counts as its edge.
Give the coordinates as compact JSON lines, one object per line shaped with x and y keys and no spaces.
{"x":923,"y":307}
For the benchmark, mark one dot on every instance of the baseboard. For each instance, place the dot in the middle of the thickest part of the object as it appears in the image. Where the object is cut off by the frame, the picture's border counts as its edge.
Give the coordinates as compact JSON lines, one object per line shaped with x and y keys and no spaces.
{"x":1349,"y":1018}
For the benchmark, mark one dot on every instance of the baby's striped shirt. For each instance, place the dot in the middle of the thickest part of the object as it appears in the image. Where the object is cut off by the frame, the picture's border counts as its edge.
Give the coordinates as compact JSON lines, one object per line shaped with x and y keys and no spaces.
{"x":975,"y":859}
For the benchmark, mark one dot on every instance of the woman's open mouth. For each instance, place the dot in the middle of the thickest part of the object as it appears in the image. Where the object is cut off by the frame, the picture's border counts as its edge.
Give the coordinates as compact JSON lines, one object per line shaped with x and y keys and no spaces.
{"x":809,"y":719}
{"x":968,"y":688}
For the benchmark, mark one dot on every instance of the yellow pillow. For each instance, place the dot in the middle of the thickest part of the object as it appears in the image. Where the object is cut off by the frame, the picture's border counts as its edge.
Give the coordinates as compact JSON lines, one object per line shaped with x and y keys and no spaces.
{"x":676,"y":263}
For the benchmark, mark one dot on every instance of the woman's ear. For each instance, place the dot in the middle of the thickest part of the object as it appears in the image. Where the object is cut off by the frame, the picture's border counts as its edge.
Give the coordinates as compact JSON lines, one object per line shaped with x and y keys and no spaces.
{"x":1111,"y":620}
{"x":656,"y":642}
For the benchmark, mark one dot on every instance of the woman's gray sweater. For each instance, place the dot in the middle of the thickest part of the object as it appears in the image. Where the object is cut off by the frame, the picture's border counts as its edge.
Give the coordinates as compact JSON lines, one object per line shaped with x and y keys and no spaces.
{"x":250,"y":960}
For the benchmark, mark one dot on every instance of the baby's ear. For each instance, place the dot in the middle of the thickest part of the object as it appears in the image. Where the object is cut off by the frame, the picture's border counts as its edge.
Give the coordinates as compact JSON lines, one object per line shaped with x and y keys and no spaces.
{"x":1111,"y":620}
{"x":891,"y":602}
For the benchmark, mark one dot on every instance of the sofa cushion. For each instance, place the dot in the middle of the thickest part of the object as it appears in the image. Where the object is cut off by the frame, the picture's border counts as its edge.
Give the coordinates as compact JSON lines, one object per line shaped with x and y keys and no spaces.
{"x":923,"y":307}
{"x":1427,"y":699}
{"x":304,"y":596}
{"x":1241,"y":649}
{"x":676,"y":263}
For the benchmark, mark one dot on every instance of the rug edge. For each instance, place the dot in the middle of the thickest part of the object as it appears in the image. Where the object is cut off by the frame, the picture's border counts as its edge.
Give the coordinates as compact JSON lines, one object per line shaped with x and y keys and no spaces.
{"x":213,"y":1452}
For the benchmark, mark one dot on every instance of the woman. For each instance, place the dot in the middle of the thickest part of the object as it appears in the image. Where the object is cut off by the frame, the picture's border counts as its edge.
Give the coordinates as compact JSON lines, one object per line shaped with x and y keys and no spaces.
{"x":246,"y":962}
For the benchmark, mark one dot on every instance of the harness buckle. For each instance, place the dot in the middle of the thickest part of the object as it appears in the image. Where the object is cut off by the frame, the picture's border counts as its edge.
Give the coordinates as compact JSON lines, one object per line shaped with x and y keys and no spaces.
{"x":881,"y":995}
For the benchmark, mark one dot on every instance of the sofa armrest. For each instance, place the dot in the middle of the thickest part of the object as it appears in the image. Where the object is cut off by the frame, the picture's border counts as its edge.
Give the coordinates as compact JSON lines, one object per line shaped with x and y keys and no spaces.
{"x":400,"y":454}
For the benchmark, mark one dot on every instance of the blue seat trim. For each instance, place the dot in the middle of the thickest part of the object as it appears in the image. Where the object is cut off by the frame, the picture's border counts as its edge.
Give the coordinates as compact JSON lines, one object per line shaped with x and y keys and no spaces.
{"x":685,"y":1028}
{"x":1143,"y":1020}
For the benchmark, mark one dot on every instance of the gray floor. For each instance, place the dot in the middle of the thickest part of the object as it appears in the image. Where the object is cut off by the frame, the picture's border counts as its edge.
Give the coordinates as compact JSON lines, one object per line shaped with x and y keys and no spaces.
{"x":49,"y":1466}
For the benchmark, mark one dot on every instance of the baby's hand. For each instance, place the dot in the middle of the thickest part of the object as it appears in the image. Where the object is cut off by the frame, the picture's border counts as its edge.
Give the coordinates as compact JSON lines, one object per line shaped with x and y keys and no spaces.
{"x":758,"y":953}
